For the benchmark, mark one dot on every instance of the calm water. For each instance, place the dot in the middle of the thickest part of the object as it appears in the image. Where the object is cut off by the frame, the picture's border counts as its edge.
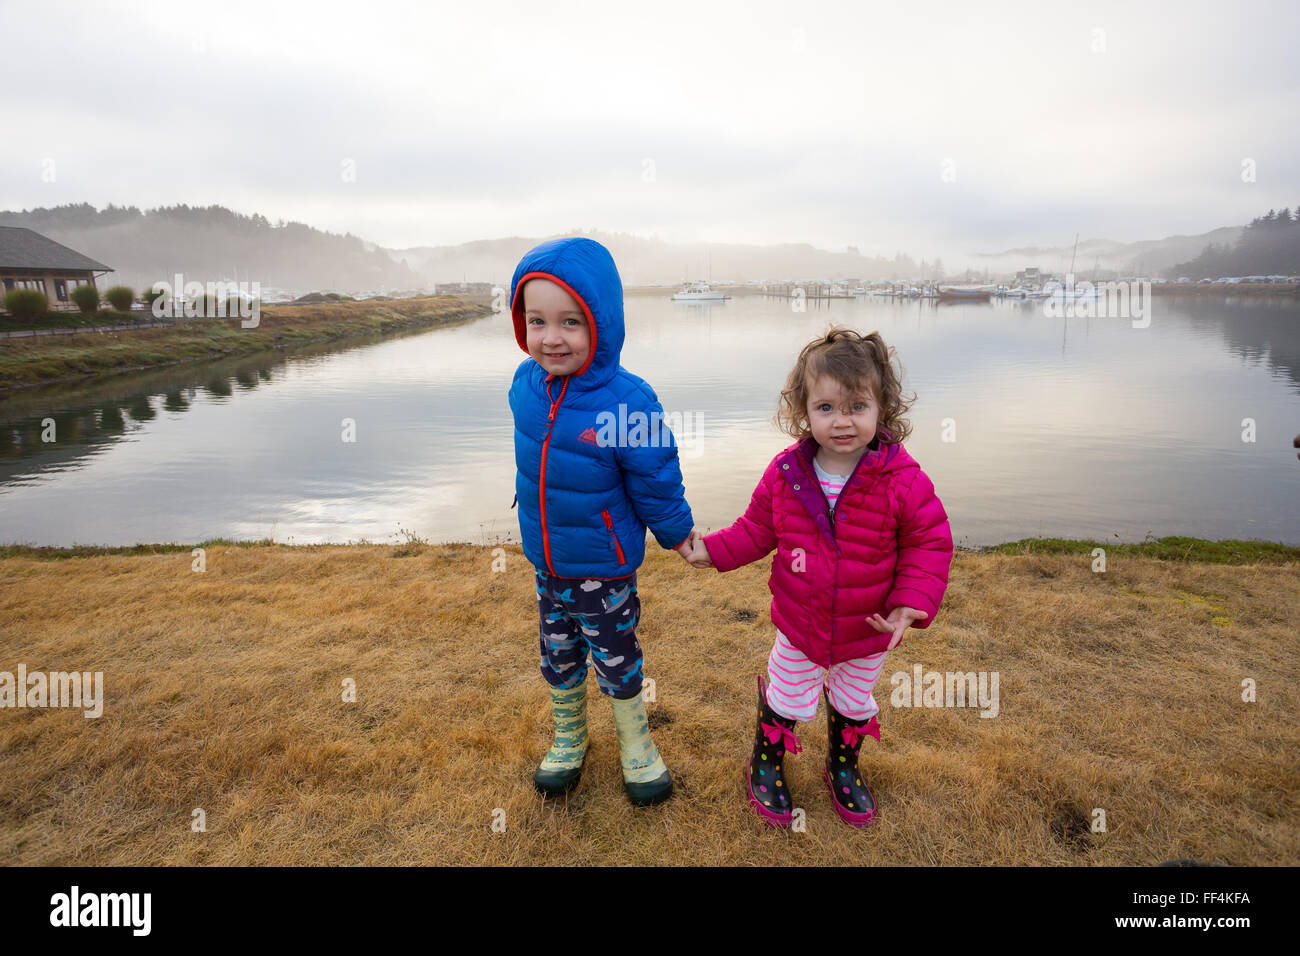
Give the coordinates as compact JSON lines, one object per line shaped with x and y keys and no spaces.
{"x":1065,"y":427}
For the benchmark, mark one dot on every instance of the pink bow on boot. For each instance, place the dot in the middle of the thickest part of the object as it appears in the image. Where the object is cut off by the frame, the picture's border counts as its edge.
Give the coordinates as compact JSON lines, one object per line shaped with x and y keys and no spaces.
{"x":851,"y":733}
{"x":775,"y":732}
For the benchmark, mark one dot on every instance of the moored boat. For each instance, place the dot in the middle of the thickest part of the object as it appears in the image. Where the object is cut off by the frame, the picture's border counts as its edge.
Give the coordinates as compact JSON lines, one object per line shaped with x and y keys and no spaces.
{"x":699,"y":292}
{"x":964,"y":295}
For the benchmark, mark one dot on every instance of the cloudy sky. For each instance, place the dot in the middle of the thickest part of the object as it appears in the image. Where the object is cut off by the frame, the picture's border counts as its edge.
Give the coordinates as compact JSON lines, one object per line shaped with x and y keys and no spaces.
{"x":930,"y":127}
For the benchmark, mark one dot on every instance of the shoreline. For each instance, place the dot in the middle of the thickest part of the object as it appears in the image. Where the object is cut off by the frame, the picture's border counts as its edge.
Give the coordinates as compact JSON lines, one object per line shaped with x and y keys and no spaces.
{"x":1235,"y":291}
{"x":83,"y":357}
{"x":1232,"y":551}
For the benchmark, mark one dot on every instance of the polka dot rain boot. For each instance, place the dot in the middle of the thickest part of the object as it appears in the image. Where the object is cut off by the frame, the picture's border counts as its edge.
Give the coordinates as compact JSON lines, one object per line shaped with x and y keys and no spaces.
{"x":851,"y":797}
{"x":765,"y":781}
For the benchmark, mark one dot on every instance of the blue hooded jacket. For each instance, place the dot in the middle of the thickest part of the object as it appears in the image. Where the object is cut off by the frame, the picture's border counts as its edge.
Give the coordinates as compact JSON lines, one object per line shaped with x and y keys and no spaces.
{"x":585,"y":495}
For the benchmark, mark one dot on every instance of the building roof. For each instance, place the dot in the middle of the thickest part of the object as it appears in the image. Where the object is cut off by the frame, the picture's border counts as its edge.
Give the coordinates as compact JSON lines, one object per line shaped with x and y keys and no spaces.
{"x":21,"y":248}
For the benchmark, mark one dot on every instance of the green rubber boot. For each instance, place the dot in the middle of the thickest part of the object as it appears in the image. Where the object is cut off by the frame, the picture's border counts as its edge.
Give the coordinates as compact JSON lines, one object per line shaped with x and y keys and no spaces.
{"x":562,"y":765}
{"x":644,"y":775}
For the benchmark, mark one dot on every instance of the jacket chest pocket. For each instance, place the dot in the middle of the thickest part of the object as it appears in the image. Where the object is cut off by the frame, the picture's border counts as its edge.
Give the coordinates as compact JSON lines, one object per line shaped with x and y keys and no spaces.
{"x":609,"y":526}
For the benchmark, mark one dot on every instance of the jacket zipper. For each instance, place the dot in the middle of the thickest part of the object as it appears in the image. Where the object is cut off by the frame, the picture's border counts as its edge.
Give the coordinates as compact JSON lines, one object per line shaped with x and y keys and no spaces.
{"x":835,"y":565}
{"x":835,"y":559}
{"x":541,"y":481}
{"x":835,"y":573}
{"x":609,"y":525}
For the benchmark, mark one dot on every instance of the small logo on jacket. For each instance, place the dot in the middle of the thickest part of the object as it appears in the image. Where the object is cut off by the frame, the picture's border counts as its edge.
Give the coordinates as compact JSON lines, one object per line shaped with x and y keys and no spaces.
{"x":590,"y":437}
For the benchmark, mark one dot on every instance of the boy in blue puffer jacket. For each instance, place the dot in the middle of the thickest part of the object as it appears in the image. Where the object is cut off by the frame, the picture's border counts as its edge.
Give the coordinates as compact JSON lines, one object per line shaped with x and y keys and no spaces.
{"x":596,"y":467}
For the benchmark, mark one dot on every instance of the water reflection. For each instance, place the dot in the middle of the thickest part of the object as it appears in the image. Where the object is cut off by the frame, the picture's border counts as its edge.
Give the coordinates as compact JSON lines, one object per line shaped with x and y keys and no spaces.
{"x":51,"y":427}
{"x":1065,"y":426}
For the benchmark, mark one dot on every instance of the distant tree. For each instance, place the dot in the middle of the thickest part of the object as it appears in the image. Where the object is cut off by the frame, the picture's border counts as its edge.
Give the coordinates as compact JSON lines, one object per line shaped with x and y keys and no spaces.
{"x":1269,"y":245}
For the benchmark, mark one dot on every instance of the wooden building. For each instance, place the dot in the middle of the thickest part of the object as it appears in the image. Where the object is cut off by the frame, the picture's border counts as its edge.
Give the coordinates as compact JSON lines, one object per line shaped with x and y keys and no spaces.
{"x":29,"y":260}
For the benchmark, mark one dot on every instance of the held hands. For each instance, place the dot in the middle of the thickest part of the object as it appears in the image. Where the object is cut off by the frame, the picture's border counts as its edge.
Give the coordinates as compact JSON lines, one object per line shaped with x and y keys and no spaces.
{"x":694,"y":552}
{"x":899,"y":620}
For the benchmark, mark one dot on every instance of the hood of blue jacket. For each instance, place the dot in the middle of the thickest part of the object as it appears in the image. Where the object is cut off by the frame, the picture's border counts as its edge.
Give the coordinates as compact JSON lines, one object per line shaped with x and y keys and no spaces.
{"x":585,"y":269}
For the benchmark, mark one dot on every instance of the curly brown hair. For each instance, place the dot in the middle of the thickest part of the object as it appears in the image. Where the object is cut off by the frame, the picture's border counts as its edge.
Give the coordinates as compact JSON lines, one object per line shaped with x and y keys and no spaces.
{"x":860,"y":364}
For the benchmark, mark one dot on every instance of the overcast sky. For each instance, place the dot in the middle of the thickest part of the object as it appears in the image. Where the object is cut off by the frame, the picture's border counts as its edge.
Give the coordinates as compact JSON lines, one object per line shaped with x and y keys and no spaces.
{"x":934,"y":128}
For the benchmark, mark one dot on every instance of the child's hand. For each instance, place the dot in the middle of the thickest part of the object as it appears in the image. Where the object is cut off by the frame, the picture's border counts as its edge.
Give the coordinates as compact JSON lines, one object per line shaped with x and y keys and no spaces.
{"x":687,"y":548}
{"x":899,"y":620}
{"x":699,"y":556}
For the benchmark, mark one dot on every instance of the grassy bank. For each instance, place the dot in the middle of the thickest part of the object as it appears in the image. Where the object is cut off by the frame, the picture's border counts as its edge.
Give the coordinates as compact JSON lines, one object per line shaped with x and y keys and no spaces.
{"x":72,"y":320}
{"x":46,"y":359}
{"x":1118,"y":690}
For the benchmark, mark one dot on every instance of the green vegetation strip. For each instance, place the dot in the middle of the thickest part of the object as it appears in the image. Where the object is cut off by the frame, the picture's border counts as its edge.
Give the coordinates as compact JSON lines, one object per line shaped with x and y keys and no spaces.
{"x":1193,"y":550}
{"x":1165,"y":549}
{"x":74,"y":320}
{"x":40,"y":360}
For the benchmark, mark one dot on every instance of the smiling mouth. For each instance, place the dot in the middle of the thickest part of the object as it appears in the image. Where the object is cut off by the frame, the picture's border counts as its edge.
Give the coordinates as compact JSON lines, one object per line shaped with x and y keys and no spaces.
{"x":842,"y":437}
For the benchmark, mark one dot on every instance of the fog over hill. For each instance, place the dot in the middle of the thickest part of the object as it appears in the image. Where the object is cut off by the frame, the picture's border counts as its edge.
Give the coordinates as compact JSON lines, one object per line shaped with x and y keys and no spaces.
{"x":213,"y":243}
{"x":644,"y":261}
{"x":210,"y":243}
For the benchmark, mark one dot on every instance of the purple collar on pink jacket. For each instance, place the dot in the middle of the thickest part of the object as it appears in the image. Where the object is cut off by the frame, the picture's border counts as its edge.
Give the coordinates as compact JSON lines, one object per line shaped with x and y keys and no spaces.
{"x":806,"y":487}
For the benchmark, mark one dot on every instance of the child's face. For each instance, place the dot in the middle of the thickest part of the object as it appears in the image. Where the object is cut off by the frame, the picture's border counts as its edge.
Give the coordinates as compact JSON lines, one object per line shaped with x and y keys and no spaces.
{"x":558,"y":337}
{"x":838,"y":424}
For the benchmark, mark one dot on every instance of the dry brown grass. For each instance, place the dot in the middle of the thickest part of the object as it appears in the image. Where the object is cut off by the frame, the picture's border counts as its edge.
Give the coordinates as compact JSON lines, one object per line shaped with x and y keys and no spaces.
{"x":1118,"y":690}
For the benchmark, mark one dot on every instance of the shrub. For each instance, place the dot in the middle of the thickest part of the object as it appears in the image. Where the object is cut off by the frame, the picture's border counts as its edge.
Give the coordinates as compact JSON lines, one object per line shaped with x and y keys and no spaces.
{"x":120,"y":297}
{"x":86,"y":296}
{"x":26,"y":303}
{"x":148,"y":296}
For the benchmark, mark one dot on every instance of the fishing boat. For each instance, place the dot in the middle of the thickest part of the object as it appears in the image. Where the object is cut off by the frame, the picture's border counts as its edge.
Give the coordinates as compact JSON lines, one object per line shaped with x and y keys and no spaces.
{"x":952,"y":294}
{"x":699,"y":292}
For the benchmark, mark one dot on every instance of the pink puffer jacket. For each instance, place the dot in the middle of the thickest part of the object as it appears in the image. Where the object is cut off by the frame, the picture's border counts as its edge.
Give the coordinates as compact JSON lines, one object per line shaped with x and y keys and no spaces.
{"x":886,"y":545}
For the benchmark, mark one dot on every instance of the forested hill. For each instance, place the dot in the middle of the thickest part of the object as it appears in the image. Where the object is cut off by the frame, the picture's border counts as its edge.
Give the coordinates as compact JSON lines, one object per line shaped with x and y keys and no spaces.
{"x":211,"y":243}
{"x":1268,"y":245}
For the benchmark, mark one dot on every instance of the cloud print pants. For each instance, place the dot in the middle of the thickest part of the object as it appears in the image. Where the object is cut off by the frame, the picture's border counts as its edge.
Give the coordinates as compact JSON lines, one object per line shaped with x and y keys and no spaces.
{"x":590,"y":616}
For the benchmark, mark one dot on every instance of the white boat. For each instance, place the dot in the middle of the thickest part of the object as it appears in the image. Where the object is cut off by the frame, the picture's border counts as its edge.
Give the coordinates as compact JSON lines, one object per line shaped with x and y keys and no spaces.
{"x":699,"y":292}
{"x":1080,"y":290}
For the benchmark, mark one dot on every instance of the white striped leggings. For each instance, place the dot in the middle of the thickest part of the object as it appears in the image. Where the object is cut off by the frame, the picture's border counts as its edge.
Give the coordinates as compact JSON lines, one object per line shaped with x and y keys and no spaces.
{"x":794,"y":683}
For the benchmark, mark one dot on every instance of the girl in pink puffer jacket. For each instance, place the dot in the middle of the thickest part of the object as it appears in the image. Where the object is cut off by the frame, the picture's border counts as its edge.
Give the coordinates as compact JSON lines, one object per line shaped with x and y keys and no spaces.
{"x":863,"y":550}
